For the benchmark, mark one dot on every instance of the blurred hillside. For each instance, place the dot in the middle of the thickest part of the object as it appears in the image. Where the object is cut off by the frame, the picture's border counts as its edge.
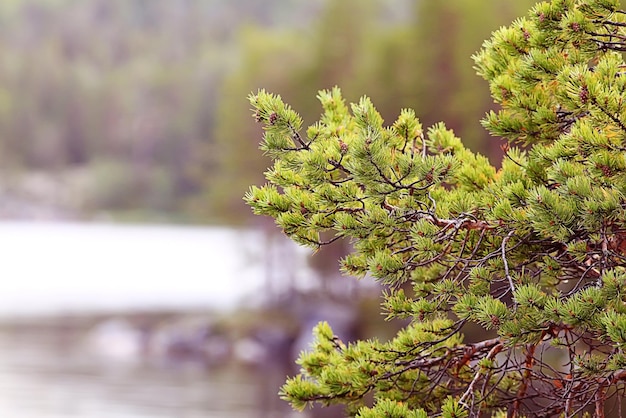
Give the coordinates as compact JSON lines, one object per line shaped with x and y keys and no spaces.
{"x":136,"y":109}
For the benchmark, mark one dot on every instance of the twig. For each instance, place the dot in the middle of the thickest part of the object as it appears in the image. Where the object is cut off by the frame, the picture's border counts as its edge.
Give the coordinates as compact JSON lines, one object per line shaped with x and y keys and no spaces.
{"x":599,"y":402}
{"x":506,"y":264}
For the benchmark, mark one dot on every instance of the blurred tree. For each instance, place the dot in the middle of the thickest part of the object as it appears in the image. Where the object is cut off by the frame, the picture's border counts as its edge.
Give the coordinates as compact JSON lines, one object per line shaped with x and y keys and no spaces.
{"x":230,"y":161}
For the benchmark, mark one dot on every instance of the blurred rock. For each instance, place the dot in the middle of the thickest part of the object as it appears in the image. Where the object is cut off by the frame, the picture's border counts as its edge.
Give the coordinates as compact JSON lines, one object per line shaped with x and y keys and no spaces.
{"x":116,"y":339}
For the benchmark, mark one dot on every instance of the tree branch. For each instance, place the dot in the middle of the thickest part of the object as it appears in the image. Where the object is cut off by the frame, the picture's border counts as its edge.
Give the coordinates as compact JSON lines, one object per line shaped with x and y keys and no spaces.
{"x":492,"y":353}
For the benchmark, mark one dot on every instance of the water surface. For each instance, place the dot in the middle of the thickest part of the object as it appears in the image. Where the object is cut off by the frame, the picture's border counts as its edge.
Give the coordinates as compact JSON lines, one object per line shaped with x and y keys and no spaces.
{"x":42,"y":376}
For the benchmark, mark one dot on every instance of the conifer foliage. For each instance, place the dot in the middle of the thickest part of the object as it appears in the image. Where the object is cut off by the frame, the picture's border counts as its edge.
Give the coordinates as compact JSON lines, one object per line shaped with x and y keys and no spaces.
{"x":533,"y":252}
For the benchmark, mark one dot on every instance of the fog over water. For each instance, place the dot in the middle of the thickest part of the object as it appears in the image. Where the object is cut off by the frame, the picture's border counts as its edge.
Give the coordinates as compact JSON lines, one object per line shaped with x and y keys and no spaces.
{"x":72,"y":267}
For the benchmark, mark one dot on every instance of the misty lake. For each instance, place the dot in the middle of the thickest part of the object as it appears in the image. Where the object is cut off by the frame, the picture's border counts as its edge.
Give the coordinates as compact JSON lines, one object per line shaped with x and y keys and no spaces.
{"x":66,"y":267}
{"x":59,"y":272}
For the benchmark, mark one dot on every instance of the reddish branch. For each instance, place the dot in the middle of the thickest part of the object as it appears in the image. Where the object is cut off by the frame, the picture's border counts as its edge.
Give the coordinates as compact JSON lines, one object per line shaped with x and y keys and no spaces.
{"x":528,"y":366}
{"x":470,"y":351}
{"x":490,"y":356}
{"x":599,"y":402}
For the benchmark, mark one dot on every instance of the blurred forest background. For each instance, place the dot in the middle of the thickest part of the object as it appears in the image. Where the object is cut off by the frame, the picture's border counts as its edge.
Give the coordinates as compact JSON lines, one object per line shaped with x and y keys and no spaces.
{"x":136,"y":110}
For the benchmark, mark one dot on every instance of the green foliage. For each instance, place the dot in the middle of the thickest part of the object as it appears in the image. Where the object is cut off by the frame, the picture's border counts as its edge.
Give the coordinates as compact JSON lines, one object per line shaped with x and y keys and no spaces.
{"x":534,"y":253}
{"x":391,"y":409}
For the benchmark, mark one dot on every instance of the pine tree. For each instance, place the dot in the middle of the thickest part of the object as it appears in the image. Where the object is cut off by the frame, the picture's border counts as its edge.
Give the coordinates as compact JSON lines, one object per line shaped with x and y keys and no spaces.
{"x":533,"y":252}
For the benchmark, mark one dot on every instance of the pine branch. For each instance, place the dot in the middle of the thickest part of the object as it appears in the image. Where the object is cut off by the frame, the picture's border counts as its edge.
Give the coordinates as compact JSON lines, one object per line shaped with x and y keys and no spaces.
{"x":535,"y":251}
